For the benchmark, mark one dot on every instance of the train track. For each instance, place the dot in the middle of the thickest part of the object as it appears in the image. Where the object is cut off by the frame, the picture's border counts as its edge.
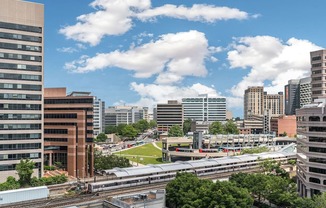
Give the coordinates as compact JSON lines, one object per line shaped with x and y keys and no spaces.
{"x":101,"y":196}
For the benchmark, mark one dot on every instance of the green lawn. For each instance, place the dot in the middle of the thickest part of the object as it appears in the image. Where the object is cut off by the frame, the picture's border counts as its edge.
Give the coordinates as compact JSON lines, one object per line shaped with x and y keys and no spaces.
{"x":148,"y":153}
{"x":159,"y":144}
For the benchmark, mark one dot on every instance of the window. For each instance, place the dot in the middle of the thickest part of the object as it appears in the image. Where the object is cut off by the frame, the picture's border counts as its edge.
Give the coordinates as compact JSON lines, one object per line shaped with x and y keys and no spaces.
{"x":20,"y":136}
{"x":20,"y":67}
{"x":20,"y":27}
{"x":21,"y":37}
{"x":20,"y":47}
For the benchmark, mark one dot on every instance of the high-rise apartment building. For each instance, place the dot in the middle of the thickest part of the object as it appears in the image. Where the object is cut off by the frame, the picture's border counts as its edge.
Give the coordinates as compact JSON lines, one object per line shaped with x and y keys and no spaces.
{"x":21,"y":85}
{"x":318,"y":74}
{"x":305,"y":91}
{"x":274,"y":103}
{"x":99,"y":116}
{"x":253,"y":101}
{"x":168,"y":115}
{"x":292,"y":96}
{"x":68,"y":131}
{"x":204,"y":108}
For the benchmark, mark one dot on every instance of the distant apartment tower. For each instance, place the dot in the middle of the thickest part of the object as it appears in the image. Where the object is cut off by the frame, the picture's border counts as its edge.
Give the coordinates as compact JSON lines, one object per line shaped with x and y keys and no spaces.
{"x":292,"y":96}
{"x":204,"y":108}
{"x":168,"y":115}
{"x":253,"y":101}
{"x":115,"y":115}
{"x":21,"y":85}
{"x":305,"y":91}
{"x":297,"y":93}
{"x":274,"y":103}
{"x":99,"y":116}
{"x":68,"y":131}
{"x":318,"y":74}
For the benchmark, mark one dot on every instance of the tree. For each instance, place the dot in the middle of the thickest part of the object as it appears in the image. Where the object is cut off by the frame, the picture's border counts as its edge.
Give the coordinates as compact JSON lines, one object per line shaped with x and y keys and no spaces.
{"x":152,"y":124}
{"x":273,"y":167}
{"x":187,"y":126}
{"x":101,"y":137}
{"x":284,"y":134}
{"x":230,"y":127}
{"x":216,"y":128}
{"x":186,"y":190}
{"x":111,"y":129}
{"x":129,"y":131}
{"x":120,"y":127}
{"x":175,"y":131}
{"x":104,"y":162}
{"x":320,"y":200}
{"x":25,"y":170}
{"x":141,"y":125}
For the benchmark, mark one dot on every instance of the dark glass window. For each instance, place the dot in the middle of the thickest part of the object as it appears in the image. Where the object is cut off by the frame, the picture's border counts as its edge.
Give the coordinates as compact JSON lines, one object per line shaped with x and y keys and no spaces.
{"x":20,"y":37}
{"x":20,"y":146}
{"x":314,"y":180}
{"x":59,"y":124}
{"x":19,"y":136}
{"x":68,"y":101}
{"x":317,"y":149}
{"x":20,"y":27}
{"x":317,"y":170}
{"x":20,"y":47}
{"x":317,"y":160}
{"x":55,"y":148}
{"x":20,"y":116}
{"x":72,"y":115}
{"x":14,"y":96}
{"x":23,"y":57}
{"x":20,"y":67}
{"x":19,"y":126}
{"x":21,"y":77}
{"x":20,"y":106}
{"x":55,"y":131}
{"x":56,"y":139}
{"x":10,"y":86}
{"x":20,"y":156}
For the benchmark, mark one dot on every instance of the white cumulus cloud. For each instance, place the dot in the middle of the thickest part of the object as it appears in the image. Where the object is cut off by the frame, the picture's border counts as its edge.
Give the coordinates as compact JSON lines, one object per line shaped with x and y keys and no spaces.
{"x":151,"y":94}
{"x":269,"y":60}
{"x":171,"y":57}
{"x":198,"y":12}
{"x":115,"y":17}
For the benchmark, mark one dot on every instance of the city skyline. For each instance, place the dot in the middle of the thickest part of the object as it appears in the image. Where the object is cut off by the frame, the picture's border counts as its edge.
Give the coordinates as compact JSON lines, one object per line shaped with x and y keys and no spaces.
{"x":161,"y":51}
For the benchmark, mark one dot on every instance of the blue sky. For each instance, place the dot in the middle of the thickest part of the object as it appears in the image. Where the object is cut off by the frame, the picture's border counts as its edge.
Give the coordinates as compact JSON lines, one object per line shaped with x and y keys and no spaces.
{"x":140,"y":52}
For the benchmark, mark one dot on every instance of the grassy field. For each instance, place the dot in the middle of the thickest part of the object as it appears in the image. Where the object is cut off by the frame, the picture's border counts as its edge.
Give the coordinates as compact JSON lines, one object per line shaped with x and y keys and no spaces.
{"x":159,"y":144}
{"x":145,"y":154}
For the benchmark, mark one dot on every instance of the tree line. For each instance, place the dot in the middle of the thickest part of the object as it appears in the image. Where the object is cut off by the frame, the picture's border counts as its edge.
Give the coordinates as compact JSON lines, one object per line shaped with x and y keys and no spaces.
{"x":217,"y":127}
{"x":273,"y":187}
{"x":128,"y":131}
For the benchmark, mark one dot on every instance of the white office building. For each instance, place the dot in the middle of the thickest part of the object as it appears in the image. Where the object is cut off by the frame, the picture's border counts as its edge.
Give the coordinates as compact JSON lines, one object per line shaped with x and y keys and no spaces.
{"x":98,"y":116}
{"x":204,"y":108}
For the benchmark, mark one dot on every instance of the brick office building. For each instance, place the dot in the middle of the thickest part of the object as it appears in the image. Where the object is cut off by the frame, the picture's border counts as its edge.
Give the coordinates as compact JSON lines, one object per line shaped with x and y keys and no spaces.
{"x":68,"y":131}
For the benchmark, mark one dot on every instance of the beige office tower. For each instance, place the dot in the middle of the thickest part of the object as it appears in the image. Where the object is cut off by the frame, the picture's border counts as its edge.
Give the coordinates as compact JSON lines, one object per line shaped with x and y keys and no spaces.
{"x":253,"y":102}
{"x":274,"y":103}
{"x":318,"y":74}
{"x":21,"y":85}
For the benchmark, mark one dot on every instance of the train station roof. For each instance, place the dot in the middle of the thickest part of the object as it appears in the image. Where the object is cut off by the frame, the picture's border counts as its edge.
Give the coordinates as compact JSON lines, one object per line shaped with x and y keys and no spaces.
{"x":188,"y":165}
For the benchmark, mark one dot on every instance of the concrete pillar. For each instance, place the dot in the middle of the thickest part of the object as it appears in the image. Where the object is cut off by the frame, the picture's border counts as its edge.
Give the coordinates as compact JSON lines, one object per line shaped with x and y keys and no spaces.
{"x":308,"y":192}
{"x":50,"y":159}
